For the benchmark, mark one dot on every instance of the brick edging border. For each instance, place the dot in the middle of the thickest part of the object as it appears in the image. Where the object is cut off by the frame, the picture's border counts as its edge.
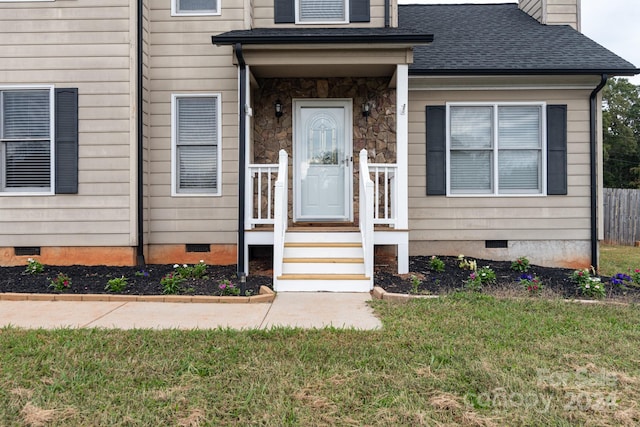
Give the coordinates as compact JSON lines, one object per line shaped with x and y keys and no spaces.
{"x":380,"y":293}
{"x":265,"y":295}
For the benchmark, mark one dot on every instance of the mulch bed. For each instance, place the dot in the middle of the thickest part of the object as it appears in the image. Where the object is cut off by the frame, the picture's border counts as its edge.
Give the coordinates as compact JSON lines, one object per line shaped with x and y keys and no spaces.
{"x":93,"y":279}
{"x":557,"y":281}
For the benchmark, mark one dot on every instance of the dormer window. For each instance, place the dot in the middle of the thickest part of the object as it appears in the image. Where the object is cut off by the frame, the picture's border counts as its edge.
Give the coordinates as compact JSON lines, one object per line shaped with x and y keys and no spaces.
{"x":322,"y":11}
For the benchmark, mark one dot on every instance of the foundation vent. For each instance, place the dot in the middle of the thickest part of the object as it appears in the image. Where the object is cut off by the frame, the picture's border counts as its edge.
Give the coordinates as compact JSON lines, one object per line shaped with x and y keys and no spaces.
{"x":496,"y":244}
{"x":26,"y":250}
{"x":198,"y":247}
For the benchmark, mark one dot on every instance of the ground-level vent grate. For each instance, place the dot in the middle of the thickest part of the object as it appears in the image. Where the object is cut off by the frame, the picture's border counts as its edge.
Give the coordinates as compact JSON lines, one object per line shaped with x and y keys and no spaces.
{"x":198,"y":247}
{"x":27,"y":250}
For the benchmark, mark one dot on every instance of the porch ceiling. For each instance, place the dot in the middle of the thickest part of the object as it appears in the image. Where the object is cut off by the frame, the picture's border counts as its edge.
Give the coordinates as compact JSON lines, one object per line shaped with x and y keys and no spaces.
{"x":317,"y":61}
{"x":322,"y":70}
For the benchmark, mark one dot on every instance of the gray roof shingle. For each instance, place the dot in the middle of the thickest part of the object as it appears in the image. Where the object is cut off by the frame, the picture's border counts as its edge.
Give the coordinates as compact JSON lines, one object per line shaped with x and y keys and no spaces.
{"x":501,"y":39}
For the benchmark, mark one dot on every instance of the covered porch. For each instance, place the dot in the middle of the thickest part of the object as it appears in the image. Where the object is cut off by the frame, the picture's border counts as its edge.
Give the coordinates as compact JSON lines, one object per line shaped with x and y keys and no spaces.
{"x":323,"y":143}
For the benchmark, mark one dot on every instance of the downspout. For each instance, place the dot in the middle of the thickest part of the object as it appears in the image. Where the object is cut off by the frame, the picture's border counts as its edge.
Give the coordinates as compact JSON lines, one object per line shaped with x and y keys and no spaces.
{"x":140,"y":135}
{"x":387,"y":6}
{"x":593,"y":110}
{"x":242,"y":155}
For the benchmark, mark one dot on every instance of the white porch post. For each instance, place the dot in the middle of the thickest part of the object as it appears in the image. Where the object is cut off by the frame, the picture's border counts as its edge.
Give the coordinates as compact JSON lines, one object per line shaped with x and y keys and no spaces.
{"x":402,"y":150}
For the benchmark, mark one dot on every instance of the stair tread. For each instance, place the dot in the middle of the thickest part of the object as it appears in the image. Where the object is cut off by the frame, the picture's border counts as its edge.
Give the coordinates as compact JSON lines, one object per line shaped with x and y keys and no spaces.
{"x":325,"y":260}
{"x":323,"y":277}
{"x":323,"y":229}
{"x":323,"y":245}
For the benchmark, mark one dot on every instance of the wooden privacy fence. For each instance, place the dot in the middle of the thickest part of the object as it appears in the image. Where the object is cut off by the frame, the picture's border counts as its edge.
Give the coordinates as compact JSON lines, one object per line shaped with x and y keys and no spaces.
{"x":621,"y":216}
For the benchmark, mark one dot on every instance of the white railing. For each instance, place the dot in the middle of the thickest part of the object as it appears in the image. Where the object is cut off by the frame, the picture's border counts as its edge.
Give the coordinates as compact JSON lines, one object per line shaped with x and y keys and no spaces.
{"x":385,"y":193}
{"x":259,"y":194}
{"x":366,"y":214}
{"x":281,"y":203}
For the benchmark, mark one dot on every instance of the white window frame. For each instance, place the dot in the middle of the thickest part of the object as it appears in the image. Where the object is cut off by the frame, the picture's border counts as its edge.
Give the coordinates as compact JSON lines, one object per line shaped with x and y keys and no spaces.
{"x":176,"y":12}
{"x":52,"y":183}
{"x":25,"y":1}
{"x":174,"y":147}
{"x":345,"y":21}
{"x":496,"y":149}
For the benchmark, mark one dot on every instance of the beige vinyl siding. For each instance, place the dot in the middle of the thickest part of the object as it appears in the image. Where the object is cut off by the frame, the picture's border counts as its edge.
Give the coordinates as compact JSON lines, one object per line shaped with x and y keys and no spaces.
{"x":263,"y":16}
{"x":84,"y":44}
{"x":533,"y":8}
{"x":501,"y":218}
{"x":564,"y":12}
{"x":553,"y":12}
{"x":184,"y":61}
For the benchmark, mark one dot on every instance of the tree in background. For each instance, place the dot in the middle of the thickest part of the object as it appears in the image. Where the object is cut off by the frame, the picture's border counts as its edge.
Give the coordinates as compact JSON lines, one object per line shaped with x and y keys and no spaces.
{"x":621,"y":131}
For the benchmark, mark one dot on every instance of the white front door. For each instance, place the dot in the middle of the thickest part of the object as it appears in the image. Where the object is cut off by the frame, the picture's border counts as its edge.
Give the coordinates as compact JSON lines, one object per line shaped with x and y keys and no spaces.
{"x":323,"y":160}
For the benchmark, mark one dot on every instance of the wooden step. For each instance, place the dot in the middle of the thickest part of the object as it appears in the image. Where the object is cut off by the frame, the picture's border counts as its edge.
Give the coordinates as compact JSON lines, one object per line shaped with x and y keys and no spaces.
{"x":342,"y":229}
{"x":324,"y":260}
{"x":322,"y":245}
{"x":328,"y":277}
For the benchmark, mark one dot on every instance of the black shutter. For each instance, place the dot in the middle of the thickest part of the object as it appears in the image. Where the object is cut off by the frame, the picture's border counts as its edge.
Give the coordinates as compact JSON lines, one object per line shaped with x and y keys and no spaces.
{"x":66,"y":143}
{"x":436,"y":150}
{"x":359,"y":11}
{"x":285,"y":12}
{"x":556,"y":149}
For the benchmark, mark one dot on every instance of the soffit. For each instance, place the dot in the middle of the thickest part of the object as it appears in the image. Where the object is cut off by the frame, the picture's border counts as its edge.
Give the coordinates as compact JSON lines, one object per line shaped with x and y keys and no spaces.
{"x":318,"y":61}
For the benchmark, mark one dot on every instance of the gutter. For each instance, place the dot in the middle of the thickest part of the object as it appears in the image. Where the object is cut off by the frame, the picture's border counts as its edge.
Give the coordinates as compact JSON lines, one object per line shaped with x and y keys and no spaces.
{"x":593,"y":131}
{"x":521,"y":72}
{"x":311,"y":38}
{"x":242,"y":155}
{"x":140,"y":138}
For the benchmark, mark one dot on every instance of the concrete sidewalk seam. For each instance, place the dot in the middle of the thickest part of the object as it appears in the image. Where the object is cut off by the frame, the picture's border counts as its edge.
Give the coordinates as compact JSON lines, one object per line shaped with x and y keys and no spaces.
{"x":105,"y":314}
{"x":264,"y":319}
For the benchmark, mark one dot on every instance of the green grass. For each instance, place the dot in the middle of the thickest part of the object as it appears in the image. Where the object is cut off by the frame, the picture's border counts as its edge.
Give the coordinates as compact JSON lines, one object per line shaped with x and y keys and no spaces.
{"x":464,"y":359}
{"x":618,"y":259}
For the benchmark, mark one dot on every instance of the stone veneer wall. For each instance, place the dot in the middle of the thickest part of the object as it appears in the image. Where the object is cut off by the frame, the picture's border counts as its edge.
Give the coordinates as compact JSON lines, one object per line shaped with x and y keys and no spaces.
{"x":377,"y":133}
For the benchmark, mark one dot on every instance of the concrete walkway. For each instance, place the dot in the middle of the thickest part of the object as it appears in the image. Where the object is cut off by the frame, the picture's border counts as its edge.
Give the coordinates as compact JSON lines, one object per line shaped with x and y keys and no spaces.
{"x":305,"y":310}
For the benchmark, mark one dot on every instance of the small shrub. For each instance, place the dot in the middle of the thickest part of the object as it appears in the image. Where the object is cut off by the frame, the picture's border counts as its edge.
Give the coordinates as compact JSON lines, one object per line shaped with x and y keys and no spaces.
{"x":436,"y":264}
{"x":588,"y":285}
{"x":521,"y":265}
{"x":117,"y":284}
{"x":141,"y":273}
{"x":228,"y":289}
{"x":171,"y":283}
{"x":531,"y":283}
{"x":33,"y":267}
{"x":61,"y":283}
{"x":466,"y":264}
{"x":473,"y":283}
{"x":479,"y":278}
{"x":197,"y":271}
{"x":415,"y":283}
{"x":200,"y":270}
{"x":621,"y":280}
{"x":635,"y":277}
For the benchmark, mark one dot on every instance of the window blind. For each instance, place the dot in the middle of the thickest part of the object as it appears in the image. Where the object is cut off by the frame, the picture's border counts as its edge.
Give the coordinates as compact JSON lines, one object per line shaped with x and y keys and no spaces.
{"x":25,"y":114}
{"x":28,"y":164}
{"x":519,"y":127}
{"x":471,"y":171}
{"x":197,"y":5}
{"x":197,"y":144}
{"x":322,"y":10}
{"x":197,"y":167}
{"x":471,"y":127}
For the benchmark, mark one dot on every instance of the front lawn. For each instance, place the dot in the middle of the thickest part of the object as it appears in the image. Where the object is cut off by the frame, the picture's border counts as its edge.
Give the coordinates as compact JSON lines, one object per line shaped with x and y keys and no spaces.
{"x":467,"y":359}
